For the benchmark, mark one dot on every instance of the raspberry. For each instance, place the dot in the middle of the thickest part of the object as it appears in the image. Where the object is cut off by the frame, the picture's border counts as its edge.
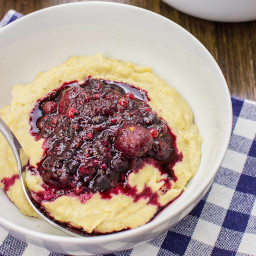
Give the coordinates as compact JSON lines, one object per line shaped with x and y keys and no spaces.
{"x":123,"y":102}
{"x":96,"y":96}
{"x":90,"y":135}
{"x":129,"y":95}
{"x":54,"y":120}
{"x":153,"y":132}
{"x":72,"y":112}
{"x":49,"y":107}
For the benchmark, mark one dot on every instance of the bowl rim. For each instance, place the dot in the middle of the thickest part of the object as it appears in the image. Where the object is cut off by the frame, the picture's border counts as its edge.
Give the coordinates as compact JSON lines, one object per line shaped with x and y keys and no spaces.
{"x":224,"y":14}
{"x":148,"y":226}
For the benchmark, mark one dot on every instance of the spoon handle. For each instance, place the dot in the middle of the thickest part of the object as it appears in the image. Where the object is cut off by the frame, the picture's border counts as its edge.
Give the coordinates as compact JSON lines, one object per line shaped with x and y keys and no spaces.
{"x":12,"y":141}
{"x":15,"y":147}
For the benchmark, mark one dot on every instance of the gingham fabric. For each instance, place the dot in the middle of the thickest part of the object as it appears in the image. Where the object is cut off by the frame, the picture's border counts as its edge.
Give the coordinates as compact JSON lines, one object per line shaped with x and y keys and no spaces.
{"x":224,"y":221}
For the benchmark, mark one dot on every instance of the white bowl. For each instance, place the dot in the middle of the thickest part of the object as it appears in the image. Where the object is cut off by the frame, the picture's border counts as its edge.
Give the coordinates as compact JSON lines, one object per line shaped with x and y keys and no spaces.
{"x":217,"y":10}
{"x":46,"y":38}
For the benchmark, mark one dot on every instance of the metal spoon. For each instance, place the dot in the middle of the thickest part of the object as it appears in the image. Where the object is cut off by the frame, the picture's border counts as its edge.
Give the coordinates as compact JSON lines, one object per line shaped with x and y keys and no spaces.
{"x":15,"y":147}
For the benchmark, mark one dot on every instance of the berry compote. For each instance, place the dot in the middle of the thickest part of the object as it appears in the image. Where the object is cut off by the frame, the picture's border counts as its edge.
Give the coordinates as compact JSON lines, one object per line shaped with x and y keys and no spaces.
{"x":97,"y":132}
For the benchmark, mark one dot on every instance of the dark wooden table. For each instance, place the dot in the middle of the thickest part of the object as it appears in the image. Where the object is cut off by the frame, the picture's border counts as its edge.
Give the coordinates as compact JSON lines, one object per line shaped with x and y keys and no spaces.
{"x":233,"y":45}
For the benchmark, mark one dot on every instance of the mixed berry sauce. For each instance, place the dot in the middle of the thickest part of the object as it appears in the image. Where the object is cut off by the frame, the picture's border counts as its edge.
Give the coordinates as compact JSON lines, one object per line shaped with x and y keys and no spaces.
{"x":95,"y":134}
{"x":8,"y":182}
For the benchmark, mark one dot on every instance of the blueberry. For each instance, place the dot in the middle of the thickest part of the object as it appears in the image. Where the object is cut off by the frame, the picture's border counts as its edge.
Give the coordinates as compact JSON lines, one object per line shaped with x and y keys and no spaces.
{"x":137,"y":119}
{"x":162,"y":128}
{"x":72,"y":166}
{"x":151,"y":118}
{"x":119,"y":164}
{"x":99,"y":119}
{"x":161,"y":149}
{"x":101,"y":183}
{"x":107,"y":135}
{"x":40,"y":123}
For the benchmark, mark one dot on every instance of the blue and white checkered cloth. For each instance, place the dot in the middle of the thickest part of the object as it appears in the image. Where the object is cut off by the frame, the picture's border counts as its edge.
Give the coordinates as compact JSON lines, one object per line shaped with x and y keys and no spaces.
{"x":223,"y":223}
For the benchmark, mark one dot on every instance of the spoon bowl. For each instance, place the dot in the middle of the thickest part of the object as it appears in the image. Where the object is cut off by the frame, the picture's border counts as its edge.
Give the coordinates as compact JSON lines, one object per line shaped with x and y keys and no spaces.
{"x":16,"y":147}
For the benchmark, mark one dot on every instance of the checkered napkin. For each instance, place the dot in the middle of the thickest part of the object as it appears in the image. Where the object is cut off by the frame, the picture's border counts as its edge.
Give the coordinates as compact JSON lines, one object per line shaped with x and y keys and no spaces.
{"x":224,"y":221}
